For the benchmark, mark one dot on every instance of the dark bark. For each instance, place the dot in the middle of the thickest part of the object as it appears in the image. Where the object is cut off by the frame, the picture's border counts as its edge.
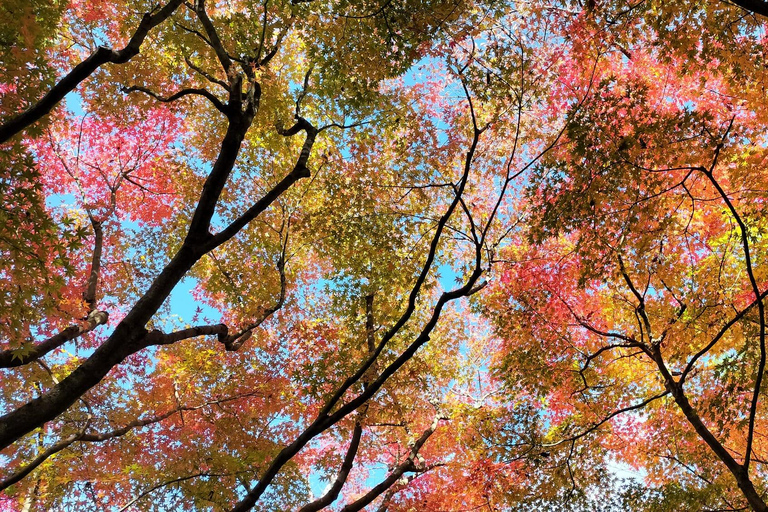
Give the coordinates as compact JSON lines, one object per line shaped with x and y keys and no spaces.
{"x":326,"y":419}
{"x":8,"y":359}
{"x":333,"y":493}
{"x":129,"y":335}
{"x":69,"y":82}
{"x":409,"y":464}
{"x":89,"y":296}
{"x":755,"y":6}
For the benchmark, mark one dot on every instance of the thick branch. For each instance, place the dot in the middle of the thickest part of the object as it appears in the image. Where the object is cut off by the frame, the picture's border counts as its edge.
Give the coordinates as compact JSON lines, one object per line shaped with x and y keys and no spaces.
{"x":159,"y":338}
{"x":213,"y":36}
{"x":83,"y":70}
{"x":738,"y":471}
{"x":89,"y":296}
{"x":300,"y":170}
{"x":128,"y":336}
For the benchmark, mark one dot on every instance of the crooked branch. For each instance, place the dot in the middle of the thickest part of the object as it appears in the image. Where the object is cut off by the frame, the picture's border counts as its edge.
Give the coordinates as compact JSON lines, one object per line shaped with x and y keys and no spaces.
{"x":180,"y":94}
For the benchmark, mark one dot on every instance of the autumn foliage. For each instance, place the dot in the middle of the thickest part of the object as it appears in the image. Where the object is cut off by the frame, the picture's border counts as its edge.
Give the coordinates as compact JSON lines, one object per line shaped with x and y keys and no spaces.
{"x":384,"y":255}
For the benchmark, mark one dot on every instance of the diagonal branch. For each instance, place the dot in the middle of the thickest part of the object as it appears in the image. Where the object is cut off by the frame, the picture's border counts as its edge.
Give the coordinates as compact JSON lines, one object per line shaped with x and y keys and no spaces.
{"x":709,"y":173}
{"x":233,"y":342}
{"x":333,"y":492}
{"x":205,"y":74}
{"x":84,"y":437}
{"x":722,"y":332}
{"x":12,"y":358}
{"x":755,"y":6}
{"x":213,"y":36}
{"x":300,"y":170}
{"x":325,"y":419}
{"x":68,"y":83}
{"x":609,"y":417}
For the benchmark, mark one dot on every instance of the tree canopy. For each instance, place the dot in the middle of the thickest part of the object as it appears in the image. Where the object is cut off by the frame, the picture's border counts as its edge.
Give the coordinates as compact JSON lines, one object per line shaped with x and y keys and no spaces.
{"x":383,"y":255}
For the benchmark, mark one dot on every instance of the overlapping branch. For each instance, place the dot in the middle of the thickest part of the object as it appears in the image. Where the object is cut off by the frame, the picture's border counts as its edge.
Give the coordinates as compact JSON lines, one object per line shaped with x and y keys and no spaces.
{"x":332,"y":413}
{"x":341,"y":478}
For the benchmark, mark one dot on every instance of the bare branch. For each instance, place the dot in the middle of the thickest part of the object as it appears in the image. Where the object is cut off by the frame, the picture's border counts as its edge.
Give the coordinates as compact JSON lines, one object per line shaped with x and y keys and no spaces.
{"x":159,"y":338}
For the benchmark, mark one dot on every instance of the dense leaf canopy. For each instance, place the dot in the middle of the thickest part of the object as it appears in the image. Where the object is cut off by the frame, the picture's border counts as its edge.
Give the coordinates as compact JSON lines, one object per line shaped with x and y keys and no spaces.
{"x":393,"y":255}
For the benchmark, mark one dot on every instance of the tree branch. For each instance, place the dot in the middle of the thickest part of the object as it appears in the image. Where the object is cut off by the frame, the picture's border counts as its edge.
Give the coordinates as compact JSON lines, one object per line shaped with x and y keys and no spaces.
{"x":159,"y":338}
{"x":325,"y":419}
{"x":83,"y":70}
{"x":233,"y":342}
{"x":213,"y":36}
{"x":709,"y":173}
{"x":12,"y":358}
{"x":89,"y":295}
{"x":180,"y":94}
{"x":300,"y":170}
{"x":755,"y":6}
{"x":333,"y":492}
{"x":84,"y":437}
{"x":609,"y":417}
{"x":409,"y":464}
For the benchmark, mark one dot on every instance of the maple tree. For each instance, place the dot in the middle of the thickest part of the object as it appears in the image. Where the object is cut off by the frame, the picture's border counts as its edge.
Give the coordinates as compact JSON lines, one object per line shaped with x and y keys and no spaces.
{"x":444,"y":255}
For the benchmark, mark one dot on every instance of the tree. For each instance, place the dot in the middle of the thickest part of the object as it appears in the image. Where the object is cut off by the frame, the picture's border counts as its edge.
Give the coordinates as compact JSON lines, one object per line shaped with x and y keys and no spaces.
{"x":319,"y":173}
{"x":638,"y":285}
